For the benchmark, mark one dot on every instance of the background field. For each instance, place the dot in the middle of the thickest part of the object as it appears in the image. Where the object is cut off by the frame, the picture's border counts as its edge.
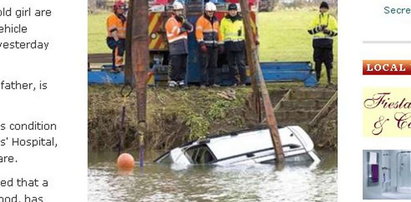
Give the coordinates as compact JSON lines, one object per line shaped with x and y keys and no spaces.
{"x":283,"y":35}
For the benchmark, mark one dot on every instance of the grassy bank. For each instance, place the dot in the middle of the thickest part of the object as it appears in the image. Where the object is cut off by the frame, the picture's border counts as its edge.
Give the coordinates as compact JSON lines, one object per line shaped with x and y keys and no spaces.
{"x":175,"y":116}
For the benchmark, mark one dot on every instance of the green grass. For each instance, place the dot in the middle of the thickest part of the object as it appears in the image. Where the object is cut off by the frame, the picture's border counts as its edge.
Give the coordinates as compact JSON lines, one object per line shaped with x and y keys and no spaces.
{"x":283,"y":36}
{"x":97,"y":33}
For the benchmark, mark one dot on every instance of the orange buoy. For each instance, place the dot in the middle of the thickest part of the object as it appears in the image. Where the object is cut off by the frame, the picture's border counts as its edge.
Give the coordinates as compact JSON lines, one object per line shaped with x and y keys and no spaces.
{"x":125,"y":161}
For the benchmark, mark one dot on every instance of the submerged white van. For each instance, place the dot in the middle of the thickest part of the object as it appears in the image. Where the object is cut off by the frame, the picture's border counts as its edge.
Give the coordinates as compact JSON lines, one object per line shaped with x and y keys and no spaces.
{"x":243,"y":147}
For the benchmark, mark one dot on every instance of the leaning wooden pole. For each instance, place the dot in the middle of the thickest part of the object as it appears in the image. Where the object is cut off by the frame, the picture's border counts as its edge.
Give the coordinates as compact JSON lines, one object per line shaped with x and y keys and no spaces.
{"x":256,"y":96}
{"x":254,"y":65}
{"x":140,"y":62}
{"x":128,"y":69}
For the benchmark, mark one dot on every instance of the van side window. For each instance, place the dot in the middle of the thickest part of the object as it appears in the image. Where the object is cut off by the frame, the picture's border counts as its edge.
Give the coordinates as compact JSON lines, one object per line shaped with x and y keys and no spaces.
{"x":200,"y":155}
{"x":166,"y":159}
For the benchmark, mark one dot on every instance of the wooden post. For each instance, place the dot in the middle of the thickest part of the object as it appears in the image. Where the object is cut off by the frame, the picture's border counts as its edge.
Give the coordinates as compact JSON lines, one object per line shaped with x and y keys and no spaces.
{"x":140,"y":62}
{"x":128,"y":70}
{"x":256,"y":98}
{"x":254,"y":64}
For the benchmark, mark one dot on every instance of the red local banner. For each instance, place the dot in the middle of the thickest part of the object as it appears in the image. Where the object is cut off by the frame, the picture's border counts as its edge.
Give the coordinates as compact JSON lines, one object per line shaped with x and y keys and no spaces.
{"x":386,"y":67}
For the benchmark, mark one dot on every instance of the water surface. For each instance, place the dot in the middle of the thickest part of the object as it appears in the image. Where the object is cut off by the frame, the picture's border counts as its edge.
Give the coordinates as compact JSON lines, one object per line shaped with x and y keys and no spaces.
{"x":258,"y":182}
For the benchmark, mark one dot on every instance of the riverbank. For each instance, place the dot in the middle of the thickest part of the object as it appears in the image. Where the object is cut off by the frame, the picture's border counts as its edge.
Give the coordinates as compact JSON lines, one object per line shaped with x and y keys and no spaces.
{"x":175,"y":116}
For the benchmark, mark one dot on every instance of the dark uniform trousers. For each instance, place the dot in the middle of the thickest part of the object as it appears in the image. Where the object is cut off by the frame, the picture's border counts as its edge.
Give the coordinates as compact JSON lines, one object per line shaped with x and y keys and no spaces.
{"x":118,"y":48}
{"x":236,"y":64}
{"x":208,"y":66}
{"x":178,"y":67}
{"x":236,"y":61}
{"x":323,"y":53}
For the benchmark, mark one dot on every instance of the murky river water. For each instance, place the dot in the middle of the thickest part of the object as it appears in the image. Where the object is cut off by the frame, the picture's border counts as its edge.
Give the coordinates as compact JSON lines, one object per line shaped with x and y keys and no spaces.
{"x":207,"y":183}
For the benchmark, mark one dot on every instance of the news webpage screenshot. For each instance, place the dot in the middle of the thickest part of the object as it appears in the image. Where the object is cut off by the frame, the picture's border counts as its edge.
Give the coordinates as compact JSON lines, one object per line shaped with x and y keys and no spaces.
{"x":205,"y":100}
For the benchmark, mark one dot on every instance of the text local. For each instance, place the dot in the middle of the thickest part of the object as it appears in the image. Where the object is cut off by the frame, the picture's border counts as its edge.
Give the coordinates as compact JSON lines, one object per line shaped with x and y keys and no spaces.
{"x":386,"y":67}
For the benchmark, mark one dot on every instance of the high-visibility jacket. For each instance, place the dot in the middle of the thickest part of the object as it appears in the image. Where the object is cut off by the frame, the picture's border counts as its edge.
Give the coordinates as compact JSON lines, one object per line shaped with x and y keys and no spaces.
{"x":207,"y":31}
{"x":116,"y":23}
{"x":176,"y":36}
{"x":232,"y":29}
{"x":319,"y":22}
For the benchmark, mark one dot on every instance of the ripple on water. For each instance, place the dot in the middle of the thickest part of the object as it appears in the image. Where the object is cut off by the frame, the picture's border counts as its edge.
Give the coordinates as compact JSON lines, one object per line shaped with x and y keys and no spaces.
{"x":208,"y":183}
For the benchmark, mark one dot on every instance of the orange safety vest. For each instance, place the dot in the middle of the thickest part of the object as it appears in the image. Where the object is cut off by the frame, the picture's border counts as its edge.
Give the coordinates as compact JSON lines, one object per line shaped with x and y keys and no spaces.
{"x":114,"y":23}
{"x":207,"y":33}
{"x":173,"y":30}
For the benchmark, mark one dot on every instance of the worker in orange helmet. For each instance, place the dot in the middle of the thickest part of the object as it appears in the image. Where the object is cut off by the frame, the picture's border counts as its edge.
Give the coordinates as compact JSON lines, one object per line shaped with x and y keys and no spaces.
{"x":177,"y":28}
{"x":210,"y":42}
{"x":116,"y":33}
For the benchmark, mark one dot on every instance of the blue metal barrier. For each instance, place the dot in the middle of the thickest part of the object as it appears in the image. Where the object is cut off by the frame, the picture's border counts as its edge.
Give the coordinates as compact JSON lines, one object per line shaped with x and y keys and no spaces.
{"x":104,"y":76}
{"x":272,"y":72}
{"x":289,"y":71}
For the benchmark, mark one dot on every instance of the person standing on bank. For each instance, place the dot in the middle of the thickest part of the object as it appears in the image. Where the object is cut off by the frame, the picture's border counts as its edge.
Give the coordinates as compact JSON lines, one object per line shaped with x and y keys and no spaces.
{"x":232,"y":33}
{"x":116,"y":34}
{"x":208,"y":38}
{"x":323,"y":28}
{"x":177,"y":28}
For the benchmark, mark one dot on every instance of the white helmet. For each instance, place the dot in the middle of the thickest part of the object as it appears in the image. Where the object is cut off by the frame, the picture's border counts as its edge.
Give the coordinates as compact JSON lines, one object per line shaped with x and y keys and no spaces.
{"x":177,"y":5}
{"x":210,"y":6}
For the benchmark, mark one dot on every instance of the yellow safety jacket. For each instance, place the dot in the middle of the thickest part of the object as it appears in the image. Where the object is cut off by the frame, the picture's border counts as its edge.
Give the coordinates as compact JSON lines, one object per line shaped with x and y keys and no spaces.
{"x":321,"y":22}
{"x":232,"y":29}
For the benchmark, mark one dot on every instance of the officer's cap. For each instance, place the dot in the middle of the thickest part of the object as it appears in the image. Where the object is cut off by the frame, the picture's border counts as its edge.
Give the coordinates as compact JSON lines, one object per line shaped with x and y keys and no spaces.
{"x":232,"y":6}
{"x":324,"y":5}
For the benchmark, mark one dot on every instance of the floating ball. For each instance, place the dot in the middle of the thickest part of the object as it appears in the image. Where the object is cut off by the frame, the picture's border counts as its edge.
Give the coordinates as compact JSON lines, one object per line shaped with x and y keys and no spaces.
{"x":125,"y":161}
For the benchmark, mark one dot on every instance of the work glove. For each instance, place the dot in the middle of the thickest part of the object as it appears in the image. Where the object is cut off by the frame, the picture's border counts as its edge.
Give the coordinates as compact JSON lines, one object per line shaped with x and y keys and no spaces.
{"x":187,"y":25}
{"x":256,"y":41}
{"x":221,"y":49}
{"x":203,"y":48}
{"x":184,"y":19}
{"x":182,"y":29}
{"x":326,"y":31}
{"x":179,"y":19}
{"x":320,"y":28}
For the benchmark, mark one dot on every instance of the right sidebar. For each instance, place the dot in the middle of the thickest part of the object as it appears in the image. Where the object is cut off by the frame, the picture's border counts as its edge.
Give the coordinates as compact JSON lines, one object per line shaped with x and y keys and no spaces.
{"x":375,"y":100}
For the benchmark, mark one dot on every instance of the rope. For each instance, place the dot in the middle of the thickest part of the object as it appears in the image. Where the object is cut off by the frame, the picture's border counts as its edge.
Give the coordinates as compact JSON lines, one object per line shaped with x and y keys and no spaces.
{"x":121,"y":133}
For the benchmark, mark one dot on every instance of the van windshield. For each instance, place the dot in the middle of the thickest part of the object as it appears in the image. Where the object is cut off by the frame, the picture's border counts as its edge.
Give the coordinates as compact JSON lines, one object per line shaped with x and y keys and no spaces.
{"x":200,"y":154}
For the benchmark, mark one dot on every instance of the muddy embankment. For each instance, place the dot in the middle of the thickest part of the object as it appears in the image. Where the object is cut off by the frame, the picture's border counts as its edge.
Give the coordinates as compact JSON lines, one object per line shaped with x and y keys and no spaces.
{"x":175,"y":116}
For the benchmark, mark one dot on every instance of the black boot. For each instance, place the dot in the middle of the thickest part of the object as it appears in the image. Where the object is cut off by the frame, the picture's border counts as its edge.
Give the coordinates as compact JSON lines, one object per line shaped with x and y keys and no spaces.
{"x":318,"y":71}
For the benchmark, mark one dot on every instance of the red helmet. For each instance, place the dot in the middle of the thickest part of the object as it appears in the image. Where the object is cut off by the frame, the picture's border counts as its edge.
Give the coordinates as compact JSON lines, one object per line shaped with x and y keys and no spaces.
{"x":119,"y":4}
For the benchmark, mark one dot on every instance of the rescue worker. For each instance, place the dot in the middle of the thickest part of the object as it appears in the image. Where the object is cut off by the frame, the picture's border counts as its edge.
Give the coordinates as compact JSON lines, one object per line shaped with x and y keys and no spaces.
{"x":323,"y":28}
{"x":177,"y":28}
{"x":209,"y":40}
{"x":116,"y":33}
{"x":232,"y":33}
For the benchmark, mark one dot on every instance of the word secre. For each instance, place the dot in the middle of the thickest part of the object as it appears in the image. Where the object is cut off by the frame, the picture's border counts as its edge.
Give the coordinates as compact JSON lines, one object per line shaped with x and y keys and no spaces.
{"x":399,"y":11}
{"x":24,"y":12}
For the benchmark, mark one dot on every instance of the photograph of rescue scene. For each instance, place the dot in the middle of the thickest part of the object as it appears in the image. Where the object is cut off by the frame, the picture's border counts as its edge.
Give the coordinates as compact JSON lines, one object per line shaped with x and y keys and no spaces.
{"x":217,"y":100}
{"x":387,"y":174}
